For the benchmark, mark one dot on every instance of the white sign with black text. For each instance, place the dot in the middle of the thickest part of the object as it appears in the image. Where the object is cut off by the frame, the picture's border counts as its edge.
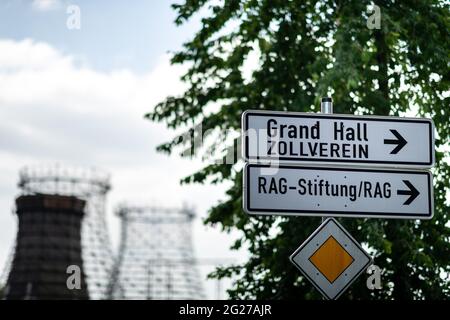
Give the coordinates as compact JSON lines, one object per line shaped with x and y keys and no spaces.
{"x":331,"y":138}
{"x":345,"y":192}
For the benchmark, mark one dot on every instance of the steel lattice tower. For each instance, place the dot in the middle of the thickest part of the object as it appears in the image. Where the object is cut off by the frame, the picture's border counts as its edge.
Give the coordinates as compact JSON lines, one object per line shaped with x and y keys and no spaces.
{"x":156,"y":258}
{"x":89,"y":185}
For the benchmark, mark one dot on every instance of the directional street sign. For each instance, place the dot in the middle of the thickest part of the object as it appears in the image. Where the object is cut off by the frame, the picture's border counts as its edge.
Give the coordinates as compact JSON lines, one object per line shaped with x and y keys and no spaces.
{"x":281,"y":150}
{"x":330,"y":138}
{"x":337,"y":191}
{"x":331,"y":259}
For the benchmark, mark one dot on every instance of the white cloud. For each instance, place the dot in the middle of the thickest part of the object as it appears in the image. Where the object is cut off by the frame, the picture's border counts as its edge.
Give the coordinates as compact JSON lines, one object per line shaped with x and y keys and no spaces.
{"x":46,"y":5}
{"x":49,"y":101}
{"x":53,"y":110}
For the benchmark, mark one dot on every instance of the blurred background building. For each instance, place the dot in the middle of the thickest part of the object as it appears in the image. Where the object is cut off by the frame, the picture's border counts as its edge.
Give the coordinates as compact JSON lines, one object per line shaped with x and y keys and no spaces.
{"x":156,"y":256}
{"x":48,"y":241}
{"x":61,"y":215}
{"x":61,"y":222}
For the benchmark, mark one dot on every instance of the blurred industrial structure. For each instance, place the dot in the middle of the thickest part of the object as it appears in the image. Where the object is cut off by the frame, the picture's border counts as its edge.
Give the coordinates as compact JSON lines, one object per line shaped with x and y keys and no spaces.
{"x":48,"y":241}
{"x":61,"y":222}
{"x":55,"y":184}
{"x":156,"y":257}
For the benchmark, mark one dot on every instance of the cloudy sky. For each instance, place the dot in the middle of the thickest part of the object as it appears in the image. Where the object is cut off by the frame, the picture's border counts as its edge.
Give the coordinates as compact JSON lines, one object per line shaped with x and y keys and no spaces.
{"x":78,"y":96}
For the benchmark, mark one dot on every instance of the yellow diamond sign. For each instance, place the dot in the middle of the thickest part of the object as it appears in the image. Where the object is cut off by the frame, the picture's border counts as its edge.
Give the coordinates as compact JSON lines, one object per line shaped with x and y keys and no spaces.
{"x":331,"y":259}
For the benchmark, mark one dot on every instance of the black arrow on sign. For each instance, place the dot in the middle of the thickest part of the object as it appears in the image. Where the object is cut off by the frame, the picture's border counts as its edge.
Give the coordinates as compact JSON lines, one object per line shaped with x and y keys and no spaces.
{"x":412,"y":192}
{"x":400,"y":141}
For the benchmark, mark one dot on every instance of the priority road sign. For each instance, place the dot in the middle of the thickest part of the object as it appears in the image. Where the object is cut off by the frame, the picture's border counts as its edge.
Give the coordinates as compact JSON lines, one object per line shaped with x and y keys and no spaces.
{"x":331,"y":259}
{"x":330,"y":138}
{"x":337,"y":191}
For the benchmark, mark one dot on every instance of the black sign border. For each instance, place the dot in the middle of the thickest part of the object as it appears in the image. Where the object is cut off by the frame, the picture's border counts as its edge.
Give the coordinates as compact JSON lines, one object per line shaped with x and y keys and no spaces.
{"x":427,"y":164}
{"x":321,"y":213}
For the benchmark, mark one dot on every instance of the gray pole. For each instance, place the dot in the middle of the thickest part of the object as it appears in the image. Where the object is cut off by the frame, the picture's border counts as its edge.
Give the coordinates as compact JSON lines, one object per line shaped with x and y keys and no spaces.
{"x":326,"y":106}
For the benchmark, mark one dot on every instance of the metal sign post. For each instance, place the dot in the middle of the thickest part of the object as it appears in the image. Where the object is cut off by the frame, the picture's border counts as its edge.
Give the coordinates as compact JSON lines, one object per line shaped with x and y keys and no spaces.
{"x":326,"y":106}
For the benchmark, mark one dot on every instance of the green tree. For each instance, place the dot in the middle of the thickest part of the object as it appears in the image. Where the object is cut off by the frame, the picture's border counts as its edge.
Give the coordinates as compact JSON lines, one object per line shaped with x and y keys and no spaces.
{"x":304,"y":50}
